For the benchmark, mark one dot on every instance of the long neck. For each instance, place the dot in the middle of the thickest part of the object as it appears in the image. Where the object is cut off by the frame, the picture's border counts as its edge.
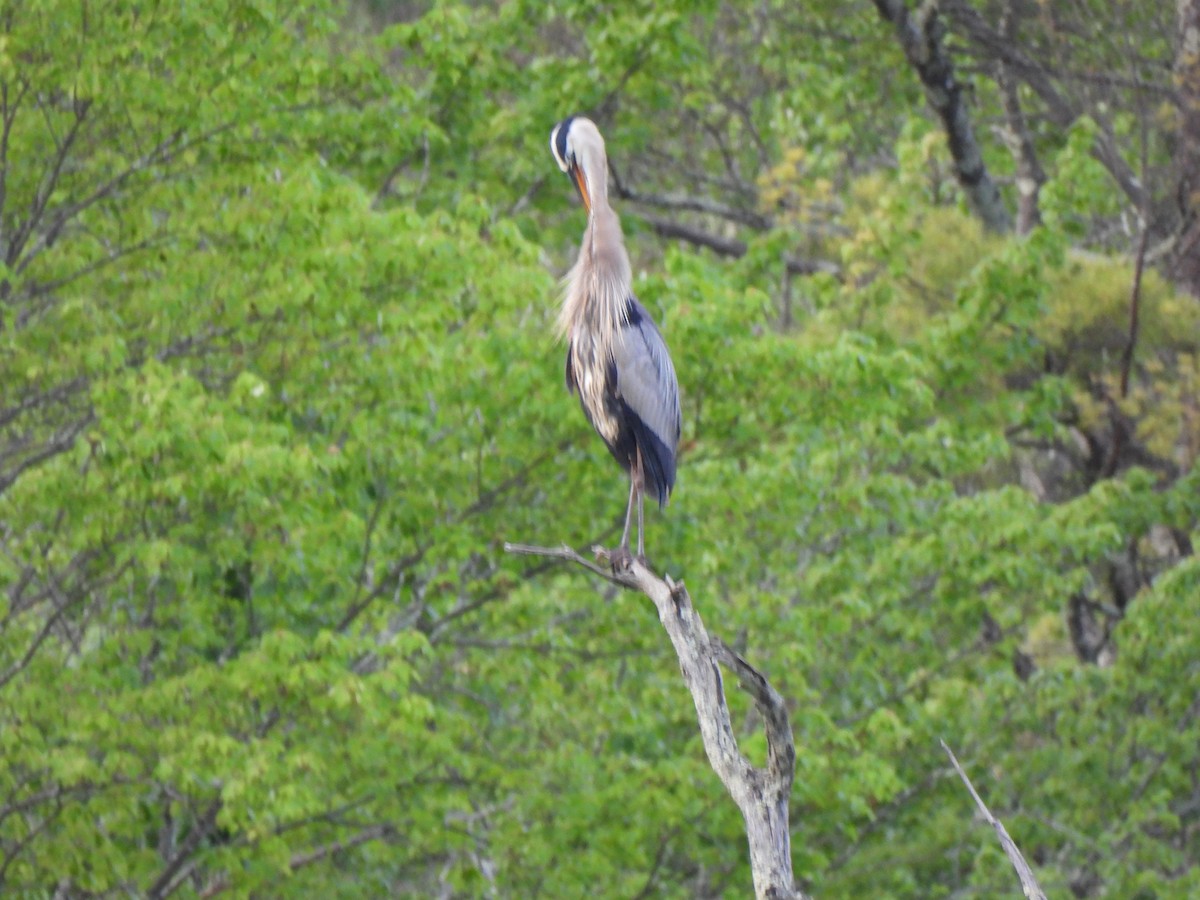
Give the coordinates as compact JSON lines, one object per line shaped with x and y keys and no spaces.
{"x":603,"y":252}
{"x":598,"y":285}
{"x":595,"y":166}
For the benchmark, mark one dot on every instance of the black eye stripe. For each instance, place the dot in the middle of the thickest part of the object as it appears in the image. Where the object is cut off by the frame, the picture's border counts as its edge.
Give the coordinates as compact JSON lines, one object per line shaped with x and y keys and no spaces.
{"x":560,"y":137}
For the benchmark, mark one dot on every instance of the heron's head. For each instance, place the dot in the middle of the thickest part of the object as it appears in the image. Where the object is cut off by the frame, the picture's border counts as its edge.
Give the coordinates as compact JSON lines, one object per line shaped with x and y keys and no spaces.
{"x":578,"y":149}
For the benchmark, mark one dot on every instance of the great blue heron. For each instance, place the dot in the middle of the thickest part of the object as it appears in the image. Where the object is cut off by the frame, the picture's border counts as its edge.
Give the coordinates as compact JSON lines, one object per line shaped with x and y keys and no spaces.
{"x":616,"y":357}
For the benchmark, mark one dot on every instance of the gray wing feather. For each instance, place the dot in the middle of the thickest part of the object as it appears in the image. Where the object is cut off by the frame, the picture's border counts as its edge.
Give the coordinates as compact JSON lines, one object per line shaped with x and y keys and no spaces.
{"x":646,"y":377}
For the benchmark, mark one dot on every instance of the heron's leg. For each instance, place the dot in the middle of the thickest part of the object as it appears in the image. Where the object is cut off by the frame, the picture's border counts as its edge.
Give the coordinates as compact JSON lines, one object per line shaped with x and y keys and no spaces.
{"x":641,"y":496}
{"x":621,"y":558}
{"x":629,"y":509}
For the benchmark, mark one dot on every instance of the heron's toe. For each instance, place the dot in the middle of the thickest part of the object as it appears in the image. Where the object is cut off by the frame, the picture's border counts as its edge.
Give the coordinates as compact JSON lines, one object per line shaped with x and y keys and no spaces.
{"x":620,"y":559}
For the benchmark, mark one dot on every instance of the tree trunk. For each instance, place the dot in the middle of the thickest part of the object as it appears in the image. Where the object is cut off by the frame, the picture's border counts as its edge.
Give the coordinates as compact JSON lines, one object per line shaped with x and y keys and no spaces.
{"x":922,"y":34}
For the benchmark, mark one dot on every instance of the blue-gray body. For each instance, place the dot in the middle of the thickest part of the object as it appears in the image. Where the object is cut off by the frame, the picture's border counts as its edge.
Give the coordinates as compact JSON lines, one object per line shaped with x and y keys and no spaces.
{"x":636,"y":410}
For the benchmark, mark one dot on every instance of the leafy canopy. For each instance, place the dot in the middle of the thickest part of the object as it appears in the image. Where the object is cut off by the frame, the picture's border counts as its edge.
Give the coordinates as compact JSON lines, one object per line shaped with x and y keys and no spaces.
{"x":278,"y":381}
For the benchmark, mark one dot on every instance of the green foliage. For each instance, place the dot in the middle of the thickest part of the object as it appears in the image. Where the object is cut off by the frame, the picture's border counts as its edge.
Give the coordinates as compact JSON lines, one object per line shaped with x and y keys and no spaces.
{"x":279,"y":380}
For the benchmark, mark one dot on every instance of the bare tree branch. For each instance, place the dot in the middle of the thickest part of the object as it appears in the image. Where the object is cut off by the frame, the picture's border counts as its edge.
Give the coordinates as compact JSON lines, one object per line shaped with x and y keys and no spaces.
{"x":565,"y":553}
{"x":8,"y":114}
{"x":670,"y":229}
{"x":1135,"y":297}
{"x":1062,"y":112}
{"x":688,"y":203}
{"x":298,"y":861}
{"x":1029,"y":884}
{"x":781,"y":753}
{"x":167,"y":881}
{"x":761,"y":794}
{"x":732,"y":247}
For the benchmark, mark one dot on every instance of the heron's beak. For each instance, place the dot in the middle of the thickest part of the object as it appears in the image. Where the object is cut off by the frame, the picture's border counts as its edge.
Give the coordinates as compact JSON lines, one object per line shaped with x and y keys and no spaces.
{"x":576,"y":174}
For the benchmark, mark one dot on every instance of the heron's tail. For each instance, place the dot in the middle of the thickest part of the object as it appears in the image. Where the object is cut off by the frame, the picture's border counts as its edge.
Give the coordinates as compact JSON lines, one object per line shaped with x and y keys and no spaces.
{"x":658,"y":462}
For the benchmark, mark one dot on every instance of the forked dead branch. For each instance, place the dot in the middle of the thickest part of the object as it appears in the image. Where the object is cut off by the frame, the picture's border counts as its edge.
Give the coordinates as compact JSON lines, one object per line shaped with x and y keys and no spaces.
{"x":760,"y":793}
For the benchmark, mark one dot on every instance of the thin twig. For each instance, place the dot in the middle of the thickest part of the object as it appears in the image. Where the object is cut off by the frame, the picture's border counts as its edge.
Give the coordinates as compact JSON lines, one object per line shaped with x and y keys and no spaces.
{"x":568,"y":554}
{"x":1062,"y":112}
{"x":168,"y":881}
{"x":1029,"y":884}
{"x":671,"y":230}
{"x":1135,"y":302}
{"x":690,"y":203}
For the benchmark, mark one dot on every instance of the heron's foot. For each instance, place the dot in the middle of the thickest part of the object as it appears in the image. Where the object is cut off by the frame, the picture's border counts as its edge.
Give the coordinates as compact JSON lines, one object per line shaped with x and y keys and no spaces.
{"x":620,"y":559}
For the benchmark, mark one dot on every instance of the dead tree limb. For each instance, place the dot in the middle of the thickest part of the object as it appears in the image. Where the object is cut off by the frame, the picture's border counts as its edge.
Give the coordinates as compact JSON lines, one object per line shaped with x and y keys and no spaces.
{"x":760,"y":793}
{"x":1029,"y":884}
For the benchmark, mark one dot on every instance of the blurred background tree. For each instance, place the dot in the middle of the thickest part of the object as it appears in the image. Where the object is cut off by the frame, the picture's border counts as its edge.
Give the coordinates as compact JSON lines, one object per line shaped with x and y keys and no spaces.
{"x":278,"y":380}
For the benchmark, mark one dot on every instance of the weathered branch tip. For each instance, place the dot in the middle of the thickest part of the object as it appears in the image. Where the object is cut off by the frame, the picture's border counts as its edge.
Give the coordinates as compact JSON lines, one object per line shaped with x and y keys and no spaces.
{"x":1029,"y":884}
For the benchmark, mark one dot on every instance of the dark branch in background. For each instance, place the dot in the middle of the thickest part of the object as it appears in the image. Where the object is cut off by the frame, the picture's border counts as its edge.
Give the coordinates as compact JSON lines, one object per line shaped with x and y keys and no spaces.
{"x":996,"y":48}
{"x":1124,"y":426}
{"x":49,"y":181}
{"x":166,"y":883}
{"x":1135,"y":298}
{"x":670,"y":229}
{"x":388,"y":187}
{"x":797,"y":266}
{"x":1029,"y":884}
{"x":1185,"y":268}
{"x":10,"y":102}
{"x":761,"y":794}
{"x":19,"y":256}
{"x":382,"y":831}
{"x":922,"y":34}
{"x":60,"y":442}
{"x":1016,"y":134}
{"x":732,"y":247}
{"x":688,"y":203}
{"x":1030,"y":175}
